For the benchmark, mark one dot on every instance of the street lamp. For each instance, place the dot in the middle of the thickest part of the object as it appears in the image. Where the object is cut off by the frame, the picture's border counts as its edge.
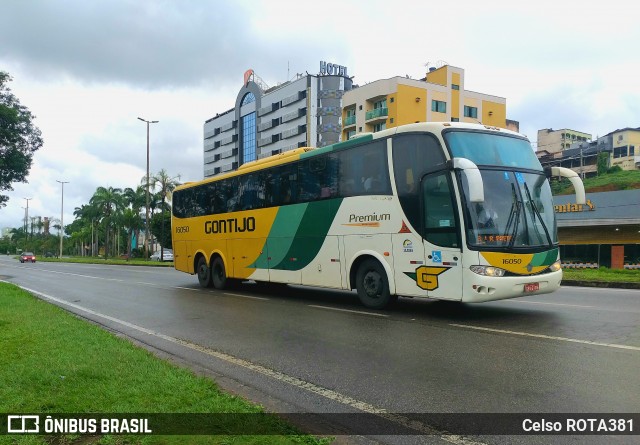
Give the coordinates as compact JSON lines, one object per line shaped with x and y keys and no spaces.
{"x":146,"y":236}
{"x":62,"y":183}
{"x":26,"y":219}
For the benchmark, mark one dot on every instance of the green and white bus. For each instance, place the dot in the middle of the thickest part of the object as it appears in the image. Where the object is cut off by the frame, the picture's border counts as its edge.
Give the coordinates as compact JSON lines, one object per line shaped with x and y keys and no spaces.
{"x":447,"y":211}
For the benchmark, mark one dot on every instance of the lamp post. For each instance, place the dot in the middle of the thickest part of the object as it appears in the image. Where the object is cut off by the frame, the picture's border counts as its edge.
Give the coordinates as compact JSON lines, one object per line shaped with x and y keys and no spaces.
{"x":146,"y":223}
{"x":26,"y":219}
{"x":62,"y":183}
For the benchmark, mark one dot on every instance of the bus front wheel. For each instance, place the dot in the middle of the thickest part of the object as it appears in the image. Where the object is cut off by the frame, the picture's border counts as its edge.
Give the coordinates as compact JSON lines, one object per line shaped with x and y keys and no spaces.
{"x":204,"y":273}
{"x":219,"y":275}
{"x":372,"y":285}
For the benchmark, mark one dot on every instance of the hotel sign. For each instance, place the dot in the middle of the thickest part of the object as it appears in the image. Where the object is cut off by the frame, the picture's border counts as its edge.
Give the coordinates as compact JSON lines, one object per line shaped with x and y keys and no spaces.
{"x":332,"y":69}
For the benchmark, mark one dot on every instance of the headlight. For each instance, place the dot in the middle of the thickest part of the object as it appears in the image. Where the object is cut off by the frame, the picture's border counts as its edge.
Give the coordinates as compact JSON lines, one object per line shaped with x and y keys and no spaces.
{"x":488,"y":271}
{"x":555,"y":266}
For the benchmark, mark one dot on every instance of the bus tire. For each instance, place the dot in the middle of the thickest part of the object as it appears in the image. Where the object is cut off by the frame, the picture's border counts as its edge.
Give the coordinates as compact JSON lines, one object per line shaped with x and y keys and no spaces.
{"x":218,"y":274}
{"x":204,"y":273}
{"x":372,"y":284}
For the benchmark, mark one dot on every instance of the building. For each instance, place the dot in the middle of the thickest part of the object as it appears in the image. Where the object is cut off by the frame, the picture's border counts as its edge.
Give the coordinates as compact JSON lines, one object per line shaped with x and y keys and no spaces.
{"x":622,"y":148}
{"x":555,"y":141}
{"x":304,"y":112}
{"x":439,"y":97}
{"x":603,"y":233}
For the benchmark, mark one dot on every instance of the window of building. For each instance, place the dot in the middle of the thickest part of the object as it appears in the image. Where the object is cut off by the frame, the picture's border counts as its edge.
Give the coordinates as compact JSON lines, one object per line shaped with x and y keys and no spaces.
{"x":438,"y":106}
{"x":380,"y":104}
{"x":392,"y":99}
{"x":471,"y":112}
{"x":379,"y":127}
{"x":620,"y":152}
{"x":248,"y":98}
{"x":455,"y":87}
{"x":351,"y":134}
{"x":455,"y":119}
{"x":249,"y":137}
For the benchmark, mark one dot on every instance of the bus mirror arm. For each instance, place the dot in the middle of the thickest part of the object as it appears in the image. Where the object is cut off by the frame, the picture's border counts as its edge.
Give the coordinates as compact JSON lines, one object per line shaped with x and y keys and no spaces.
{"x":578,"y":186}
{"x":474,"y":178}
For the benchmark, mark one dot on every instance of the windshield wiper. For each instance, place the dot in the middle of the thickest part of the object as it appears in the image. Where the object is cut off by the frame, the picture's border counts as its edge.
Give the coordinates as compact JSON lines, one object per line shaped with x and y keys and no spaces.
{"x":514,"y":215}
{"x":537,"y":213}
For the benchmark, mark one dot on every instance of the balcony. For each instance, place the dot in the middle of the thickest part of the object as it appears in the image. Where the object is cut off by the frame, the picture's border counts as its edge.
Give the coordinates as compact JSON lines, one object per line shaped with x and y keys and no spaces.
{"x":349,"y":121}
{"x":379,"y":114}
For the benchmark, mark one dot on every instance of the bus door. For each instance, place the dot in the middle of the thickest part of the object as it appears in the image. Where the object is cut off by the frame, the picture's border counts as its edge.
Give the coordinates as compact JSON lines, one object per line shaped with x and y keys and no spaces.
{"x":441,"y":275}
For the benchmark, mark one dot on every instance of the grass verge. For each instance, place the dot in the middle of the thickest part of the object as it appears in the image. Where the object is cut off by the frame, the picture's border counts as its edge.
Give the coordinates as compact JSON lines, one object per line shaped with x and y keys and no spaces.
{"x":54,"y":362}
{"x":118,"y":261}
{"x":602,"y":274}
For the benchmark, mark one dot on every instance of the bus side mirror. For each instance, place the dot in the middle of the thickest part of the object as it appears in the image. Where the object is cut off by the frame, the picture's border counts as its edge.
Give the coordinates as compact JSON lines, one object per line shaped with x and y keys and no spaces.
{"x":578,"y":186}
{"x":474,"y":178}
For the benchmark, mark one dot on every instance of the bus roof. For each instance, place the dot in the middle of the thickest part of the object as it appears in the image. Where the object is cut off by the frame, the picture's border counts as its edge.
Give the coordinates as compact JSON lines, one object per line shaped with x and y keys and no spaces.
{"x":306,"y":152}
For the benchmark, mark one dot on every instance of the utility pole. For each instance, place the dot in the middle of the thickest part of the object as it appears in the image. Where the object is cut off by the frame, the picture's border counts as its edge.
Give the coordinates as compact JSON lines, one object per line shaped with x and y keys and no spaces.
{"x":26,"y":219}
{"x":62,"y":183}
{"x":146,"y":236}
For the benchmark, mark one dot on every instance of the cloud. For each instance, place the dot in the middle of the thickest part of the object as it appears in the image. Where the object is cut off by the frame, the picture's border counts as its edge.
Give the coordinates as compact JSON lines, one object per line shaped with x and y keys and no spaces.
{"x":147,"y":44}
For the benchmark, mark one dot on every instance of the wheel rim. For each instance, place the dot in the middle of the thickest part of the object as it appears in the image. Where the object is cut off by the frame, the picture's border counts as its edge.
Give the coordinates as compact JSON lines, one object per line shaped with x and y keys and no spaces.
{"x":372,"y":284}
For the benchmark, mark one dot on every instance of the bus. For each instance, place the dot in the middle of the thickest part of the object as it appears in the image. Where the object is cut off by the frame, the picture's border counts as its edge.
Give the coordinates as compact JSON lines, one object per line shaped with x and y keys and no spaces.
{"x":447,"y":211}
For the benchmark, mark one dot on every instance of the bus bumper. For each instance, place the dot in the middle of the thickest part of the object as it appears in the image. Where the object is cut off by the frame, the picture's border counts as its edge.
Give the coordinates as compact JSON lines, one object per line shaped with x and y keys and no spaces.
{"x":479,"y":288}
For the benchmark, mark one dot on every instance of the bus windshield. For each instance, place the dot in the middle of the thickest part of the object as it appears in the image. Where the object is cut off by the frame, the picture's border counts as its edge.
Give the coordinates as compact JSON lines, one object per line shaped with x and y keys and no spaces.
{"x":517,"y":212}
{"x":492,"y":149}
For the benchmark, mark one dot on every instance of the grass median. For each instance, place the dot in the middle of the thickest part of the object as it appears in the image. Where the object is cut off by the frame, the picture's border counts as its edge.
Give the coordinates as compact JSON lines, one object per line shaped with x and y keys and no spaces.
{"x":53,"y":362}
{"x":603,"y":275}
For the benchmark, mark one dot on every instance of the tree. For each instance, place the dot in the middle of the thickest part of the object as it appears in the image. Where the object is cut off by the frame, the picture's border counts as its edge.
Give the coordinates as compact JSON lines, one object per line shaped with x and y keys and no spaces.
{"x":603,"y":163}
{"x":19,"y":139}
{"x":110,"y":203}
{"x":165,"y":186}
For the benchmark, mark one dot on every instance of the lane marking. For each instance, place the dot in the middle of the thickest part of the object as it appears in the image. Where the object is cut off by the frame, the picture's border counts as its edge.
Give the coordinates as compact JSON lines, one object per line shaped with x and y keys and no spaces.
{"x":280,"y":376}
{"x":550,"y":304}
{"x":245,"y":296}
{"x":347,"y":310}
{"x":548,"y":337}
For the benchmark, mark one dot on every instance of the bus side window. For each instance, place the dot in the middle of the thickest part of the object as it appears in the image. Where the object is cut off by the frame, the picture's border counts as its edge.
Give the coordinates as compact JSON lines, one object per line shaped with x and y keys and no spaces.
{"x":439,"y":222}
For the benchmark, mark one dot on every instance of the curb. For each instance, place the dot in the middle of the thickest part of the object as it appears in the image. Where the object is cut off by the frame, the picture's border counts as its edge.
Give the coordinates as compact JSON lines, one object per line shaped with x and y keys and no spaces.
{"x":604,"y":284}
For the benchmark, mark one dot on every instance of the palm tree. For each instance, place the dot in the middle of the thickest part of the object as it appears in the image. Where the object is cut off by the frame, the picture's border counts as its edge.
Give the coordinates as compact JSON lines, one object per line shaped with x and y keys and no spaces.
{"x":136,"y":201}
{"x":88,"y":214}
{"x":165,"y":186}
{"x":109,"y":201}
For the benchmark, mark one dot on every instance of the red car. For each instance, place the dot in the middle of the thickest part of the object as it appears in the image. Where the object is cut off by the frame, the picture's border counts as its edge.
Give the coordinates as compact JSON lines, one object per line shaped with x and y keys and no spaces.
{"x":28,"y":256}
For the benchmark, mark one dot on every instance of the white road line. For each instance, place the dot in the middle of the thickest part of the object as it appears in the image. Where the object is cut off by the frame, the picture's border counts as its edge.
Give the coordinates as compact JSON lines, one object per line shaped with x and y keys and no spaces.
{"x":549,"y":337}
{"x":347,"y":310}
{"x":550,"y":304}
{"x":280,"y":376}
{"x":245,"y":296}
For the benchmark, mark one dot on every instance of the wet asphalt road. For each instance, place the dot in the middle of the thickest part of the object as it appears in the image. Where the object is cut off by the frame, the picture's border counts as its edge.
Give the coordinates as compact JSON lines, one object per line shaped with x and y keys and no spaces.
{"x":306,"y":350}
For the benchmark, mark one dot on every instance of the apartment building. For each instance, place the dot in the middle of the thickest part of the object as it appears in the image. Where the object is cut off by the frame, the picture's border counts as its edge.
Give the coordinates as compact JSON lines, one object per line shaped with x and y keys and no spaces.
{"x":555,"y":141}
{"x":439,"y":97}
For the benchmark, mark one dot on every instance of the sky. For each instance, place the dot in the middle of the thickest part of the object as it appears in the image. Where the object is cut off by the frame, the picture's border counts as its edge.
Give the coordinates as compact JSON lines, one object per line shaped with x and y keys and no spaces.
{"x":88,"y":69}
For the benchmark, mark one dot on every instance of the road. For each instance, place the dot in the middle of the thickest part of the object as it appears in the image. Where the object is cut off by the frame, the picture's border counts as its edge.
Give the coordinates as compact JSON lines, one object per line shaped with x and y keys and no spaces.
{"x":301,"y":350}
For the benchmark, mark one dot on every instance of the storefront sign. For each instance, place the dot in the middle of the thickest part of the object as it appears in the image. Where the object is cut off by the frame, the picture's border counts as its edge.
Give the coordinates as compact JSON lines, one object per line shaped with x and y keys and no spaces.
{"x":575,"y":208}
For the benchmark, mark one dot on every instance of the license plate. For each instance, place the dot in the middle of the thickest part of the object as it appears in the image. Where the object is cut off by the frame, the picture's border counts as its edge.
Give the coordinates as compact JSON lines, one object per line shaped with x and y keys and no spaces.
{"x":532,"y":287}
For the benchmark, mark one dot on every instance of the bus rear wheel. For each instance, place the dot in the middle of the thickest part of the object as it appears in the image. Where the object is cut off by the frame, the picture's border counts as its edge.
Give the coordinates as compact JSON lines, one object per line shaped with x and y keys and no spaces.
{"x":204,"y":273}
{"x":218,"y":274}
{"x":372,"y":285}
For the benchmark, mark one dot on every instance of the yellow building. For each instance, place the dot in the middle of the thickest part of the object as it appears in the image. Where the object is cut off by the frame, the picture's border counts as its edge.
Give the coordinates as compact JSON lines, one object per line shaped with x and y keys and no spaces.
{"x":440,"y":97}
{"x":626,"y":148}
